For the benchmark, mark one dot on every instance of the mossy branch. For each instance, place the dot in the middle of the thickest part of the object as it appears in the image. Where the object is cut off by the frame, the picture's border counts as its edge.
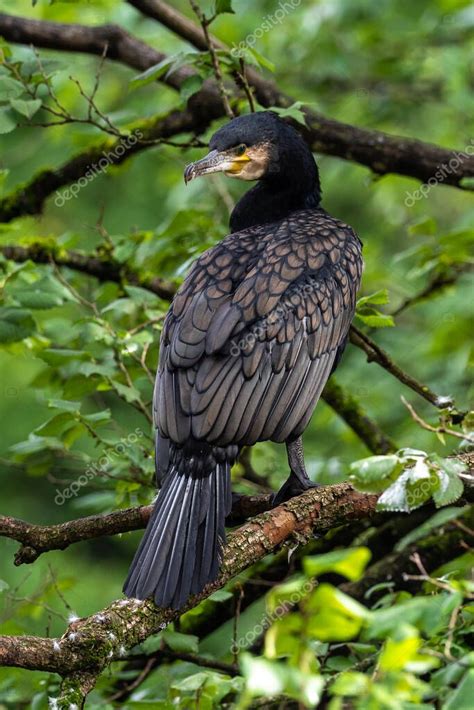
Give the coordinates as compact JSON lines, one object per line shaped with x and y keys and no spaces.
{"x":348,"y":407}
{"x":89,"y":645}
{"x":37,"y":539}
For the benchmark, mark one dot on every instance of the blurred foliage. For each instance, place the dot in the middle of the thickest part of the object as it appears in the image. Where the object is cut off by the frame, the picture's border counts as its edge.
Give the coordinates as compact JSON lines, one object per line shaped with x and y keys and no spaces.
{"x":77,"y":357}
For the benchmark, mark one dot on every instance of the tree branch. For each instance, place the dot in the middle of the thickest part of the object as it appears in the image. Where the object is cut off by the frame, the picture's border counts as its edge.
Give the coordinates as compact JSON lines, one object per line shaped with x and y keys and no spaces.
{"x":110,"y":40}
{"x":349,"y":409}
{"x":380,"y":152}
{"x":435,"y":550}
{"x":376,"y":354}
{"x":92,"y":643}
{"x":104,"y":269}
{"x":29,"y":198}
{"x":175,"y":21}
{"x":107,"y":269}
{"x":211,"y":48}
{"x":435,"y":286}
{"x":36,"y":539}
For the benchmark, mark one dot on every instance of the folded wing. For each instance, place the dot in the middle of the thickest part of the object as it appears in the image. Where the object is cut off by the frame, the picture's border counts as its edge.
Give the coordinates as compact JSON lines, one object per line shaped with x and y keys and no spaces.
{"x":254,"y":332}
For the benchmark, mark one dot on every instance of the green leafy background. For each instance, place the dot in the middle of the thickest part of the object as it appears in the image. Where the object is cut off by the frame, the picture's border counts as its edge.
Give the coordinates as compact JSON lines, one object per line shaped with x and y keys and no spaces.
{"x":74,"y":392}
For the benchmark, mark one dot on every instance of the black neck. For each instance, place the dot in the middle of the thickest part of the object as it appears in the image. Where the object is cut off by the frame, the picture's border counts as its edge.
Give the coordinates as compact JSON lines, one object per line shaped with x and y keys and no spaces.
{"x":292,"y":183}
{"x":263,"y":203}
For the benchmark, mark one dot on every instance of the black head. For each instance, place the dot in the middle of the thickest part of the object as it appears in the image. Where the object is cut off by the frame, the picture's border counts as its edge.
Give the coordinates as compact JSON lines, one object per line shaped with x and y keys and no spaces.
{"x":261,"y":146}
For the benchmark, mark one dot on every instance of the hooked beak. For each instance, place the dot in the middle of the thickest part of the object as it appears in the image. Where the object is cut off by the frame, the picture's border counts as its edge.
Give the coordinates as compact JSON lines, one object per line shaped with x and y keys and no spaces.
{"x":214,"y":162}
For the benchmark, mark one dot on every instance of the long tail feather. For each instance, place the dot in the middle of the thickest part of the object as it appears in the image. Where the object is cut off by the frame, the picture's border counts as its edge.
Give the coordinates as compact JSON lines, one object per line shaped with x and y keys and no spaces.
{"x":181,"y":549}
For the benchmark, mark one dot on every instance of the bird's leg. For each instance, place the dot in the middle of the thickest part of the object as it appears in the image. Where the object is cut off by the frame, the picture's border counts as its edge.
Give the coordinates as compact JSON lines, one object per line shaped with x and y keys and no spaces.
{"x":298,"y":481}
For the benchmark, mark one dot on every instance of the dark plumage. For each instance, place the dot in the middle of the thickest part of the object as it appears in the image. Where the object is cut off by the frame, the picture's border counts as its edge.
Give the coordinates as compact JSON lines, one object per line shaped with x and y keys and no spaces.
{"x":248,"y":344}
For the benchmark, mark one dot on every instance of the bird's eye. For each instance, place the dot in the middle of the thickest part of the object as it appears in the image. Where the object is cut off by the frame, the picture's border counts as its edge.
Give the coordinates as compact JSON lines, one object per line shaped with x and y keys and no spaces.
{"x":240,"y":150}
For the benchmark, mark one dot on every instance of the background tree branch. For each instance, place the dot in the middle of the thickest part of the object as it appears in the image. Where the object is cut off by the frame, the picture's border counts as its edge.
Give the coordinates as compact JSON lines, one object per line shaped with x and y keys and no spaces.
{"x":378,"y":151}
{"x":101,"y":369}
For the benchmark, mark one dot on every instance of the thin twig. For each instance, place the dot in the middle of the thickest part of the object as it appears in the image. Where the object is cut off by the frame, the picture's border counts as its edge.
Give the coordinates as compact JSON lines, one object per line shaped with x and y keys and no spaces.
{"x":451,"y":629}
{"x":435,"y":286}
{"x":381,"y":153}
{"x":441,"y":429}
{"x":241,"y":77}
{"x":124,"y":692}
{"x":376,"y":354}
{"x":205,"y":22}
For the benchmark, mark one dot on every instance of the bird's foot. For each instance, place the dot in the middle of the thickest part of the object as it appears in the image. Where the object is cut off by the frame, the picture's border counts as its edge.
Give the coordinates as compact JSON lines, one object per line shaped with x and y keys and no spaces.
{"x":293,"y":486}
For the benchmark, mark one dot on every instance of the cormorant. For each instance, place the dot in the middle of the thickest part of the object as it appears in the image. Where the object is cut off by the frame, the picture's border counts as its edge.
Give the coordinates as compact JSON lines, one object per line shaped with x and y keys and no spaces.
{"x":248,"y":344}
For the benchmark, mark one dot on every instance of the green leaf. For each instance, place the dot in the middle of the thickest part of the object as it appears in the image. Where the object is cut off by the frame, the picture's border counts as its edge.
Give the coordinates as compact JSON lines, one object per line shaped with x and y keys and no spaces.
{"x":61,"y":356}
{"x":155,"y":72}
{"x":288,"y":594}
{"x":394,"y":498}
{"x":190,"y":86}
{"x":182,"y":643}
{"x":294,"y":111}
{"x":437,"y":520}
{"x":15,"y":324}
{"x":450,"y":488}
{"x":333,"y":615}
{"x":350,"y":684}
{"x":221,"y":595}
{"x":461,"y":698}
{"x":267,"y":64}
{"x":379,"y":298}
{"x":97,"y":417}
{"x":374,"y":473}
{"x":376,"y":320}
{"x":26,"y":108}
{"x":141,"y":295}
{"x":284,"y":637}
{"x":269,"y":678}
{"x":426,"y":225}
{"x":221,"y":6}
{"x":396,"y":653}
{"x":10,"y":88}
{"x":371,"y":316}
{"x":64,"y":405}
{"x":35,"y":444}
{"x":350,"y":563}
{"x":192,"y":683}
{"x":36,"y":299}
{"x":56,"y":425}
{"x":7,"y":121}
{"x":421,"y":483}
{"x":263,"y":677}
{"x":428,"y":614}
{"x":129,"y":394}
